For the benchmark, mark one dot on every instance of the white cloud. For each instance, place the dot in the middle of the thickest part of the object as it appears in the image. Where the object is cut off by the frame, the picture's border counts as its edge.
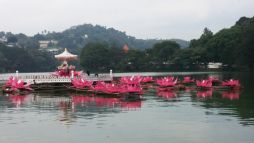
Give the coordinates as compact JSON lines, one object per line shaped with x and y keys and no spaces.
{"x":141,"y":18}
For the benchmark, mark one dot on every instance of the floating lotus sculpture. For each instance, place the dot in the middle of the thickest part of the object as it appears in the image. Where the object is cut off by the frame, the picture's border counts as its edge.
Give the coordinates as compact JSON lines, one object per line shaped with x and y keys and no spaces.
{"x":167,"y":81}
{"x":64,"y":69}
{"x":67,"y":73}
{"x":213,"y":79}
{"x":81,"y":83}
{"x":147,"y":79}
{"x":13,"y":85}
{"x":113,"y":88}
{"x":10,"y":81}
{"x":187,"y":79}
{"x":204,"y":83}
{"x":132,"y":80}
{"x":99,"y":87}
{"x":231,"y":83}
{"x":108,"y":88}
{"x":131,"y":89}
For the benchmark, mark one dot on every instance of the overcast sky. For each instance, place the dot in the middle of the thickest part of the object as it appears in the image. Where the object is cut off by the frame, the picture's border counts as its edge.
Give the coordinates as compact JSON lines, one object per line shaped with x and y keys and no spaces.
{"x":144,"y":19}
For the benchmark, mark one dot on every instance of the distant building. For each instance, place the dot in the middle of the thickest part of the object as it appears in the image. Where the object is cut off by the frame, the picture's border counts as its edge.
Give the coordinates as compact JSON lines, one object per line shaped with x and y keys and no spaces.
{"x":125,"y":48}
{"x":3,"y":39}
{"x":45,"y":44}
{"x":212,"y":65}
{"x":53,"y":50}
{"x":11,"y":45}
{"x":49,"y":46}
{"x":54,"y":42}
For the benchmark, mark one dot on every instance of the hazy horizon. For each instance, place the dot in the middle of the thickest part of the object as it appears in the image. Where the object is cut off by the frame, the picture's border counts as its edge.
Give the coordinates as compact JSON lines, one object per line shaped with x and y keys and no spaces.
{"x":143,"y":19}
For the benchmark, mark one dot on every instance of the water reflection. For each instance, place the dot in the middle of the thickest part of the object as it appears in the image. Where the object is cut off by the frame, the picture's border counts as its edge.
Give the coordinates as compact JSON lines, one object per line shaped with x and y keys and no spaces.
{"x":17,"y":100}
{"x":76,"y":106}
{"x":190,"y":88}
{"x":166,"y":94}
{"x":232,"y":95}
{"x":72,"y":107}
{"x":205,"y":93}
{"x":92,"y":100}
{"x":237,"y":104}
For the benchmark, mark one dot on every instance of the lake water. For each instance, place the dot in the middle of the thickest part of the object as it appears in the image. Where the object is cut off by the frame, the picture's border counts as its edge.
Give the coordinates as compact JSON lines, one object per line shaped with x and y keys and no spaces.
{"x":177,"y":116}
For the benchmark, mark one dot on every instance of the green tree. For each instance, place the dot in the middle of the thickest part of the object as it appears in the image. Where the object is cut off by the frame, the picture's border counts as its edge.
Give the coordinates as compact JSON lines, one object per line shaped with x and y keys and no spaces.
{"x":95,"y":57}
{"x":162,"y":54}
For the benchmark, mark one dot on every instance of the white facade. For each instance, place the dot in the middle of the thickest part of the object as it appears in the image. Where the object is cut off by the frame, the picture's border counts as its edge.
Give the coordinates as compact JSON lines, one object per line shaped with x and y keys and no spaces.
{"x":212,"y":65}
{"x":3,"y":39}
{"x":53,"y":50}
{"x":44,"y":44}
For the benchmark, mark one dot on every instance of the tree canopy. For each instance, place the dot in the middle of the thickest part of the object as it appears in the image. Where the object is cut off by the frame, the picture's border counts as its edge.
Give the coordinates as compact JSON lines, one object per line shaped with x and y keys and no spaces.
{"x":14,"y":58}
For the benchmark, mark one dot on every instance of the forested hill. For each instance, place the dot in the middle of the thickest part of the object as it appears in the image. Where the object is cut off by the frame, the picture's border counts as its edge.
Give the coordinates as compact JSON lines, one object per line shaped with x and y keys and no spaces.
{"x":78,"y":36}
{"x":234,"y":47}
{"x":100,"y":49}
{"x":25,"y":60}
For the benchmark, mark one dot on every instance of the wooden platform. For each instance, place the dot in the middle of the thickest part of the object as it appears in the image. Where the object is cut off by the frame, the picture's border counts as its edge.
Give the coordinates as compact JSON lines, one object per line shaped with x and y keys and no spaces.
{"x":48,"y":77}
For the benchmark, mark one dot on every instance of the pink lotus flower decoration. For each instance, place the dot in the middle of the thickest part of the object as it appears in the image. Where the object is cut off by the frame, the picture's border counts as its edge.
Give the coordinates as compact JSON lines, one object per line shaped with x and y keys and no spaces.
{"x":81,"y":83}
{"x":204,"y":83}
{"x":132,"y":80}
{"x":100,"y":86}
{"x":16,"y":84}
{"x":113,"y":88}
{"x":231,"y":83}
{"x":187,"y":79}
{"x":131,"y":89}
{"x":167,"y":81}
{"x":213,"y":79}
{"x":10,"y":81}
{"x":65,"y":73}
{"x":147,"y":79}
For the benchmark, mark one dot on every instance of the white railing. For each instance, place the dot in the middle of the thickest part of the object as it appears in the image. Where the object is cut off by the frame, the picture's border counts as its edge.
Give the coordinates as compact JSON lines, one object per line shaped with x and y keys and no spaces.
{"x":47,"y":77}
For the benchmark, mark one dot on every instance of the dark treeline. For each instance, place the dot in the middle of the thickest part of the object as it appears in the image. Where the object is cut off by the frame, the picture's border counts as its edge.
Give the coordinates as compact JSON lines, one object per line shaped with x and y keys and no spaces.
{"x":234,"y":47}
{"x":25,"y":60}
{"x":102,"y":57}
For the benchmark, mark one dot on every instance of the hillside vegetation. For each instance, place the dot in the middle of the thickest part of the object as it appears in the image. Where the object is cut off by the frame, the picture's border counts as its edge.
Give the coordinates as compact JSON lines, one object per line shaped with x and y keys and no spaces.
{"x":100,"y":49}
